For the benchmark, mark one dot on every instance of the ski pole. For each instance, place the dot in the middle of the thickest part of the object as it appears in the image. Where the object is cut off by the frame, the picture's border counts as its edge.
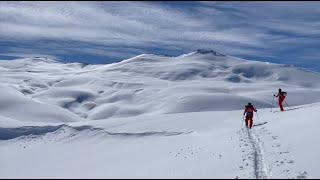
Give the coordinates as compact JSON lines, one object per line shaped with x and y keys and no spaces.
{"x":242,"y":121}
{"x":272,"y":103}
{"x":286,"y":102}
{"x":258,"y":117}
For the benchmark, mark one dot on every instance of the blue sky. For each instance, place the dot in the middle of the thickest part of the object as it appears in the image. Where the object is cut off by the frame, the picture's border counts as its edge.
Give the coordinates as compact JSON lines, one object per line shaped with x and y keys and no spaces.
{"x":103,"y":32}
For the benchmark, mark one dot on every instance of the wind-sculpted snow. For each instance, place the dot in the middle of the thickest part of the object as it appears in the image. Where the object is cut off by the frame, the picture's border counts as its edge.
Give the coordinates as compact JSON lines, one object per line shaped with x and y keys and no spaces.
{"x":203,"y":80}
{"x":11,"y":133}
{"x":37,"y":131}
{"x":16,"y":105}
{"x":252,"y":70}
{"x":154,"y":116}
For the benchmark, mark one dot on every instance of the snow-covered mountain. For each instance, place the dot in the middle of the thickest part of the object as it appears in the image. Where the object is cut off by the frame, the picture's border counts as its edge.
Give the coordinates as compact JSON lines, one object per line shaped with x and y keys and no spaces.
{"x":198,"y":81}
{"x":183,"y":113}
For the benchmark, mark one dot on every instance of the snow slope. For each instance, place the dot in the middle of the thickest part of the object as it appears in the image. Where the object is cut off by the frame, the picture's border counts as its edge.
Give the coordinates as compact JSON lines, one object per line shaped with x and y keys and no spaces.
{"x":153,"y":84}
{"x":154,"y":116}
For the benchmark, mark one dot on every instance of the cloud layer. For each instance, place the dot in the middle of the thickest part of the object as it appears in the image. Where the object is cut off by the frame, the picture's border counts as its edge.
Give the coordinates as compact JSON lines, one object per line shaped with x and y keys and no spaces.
{"x":117,"y":30}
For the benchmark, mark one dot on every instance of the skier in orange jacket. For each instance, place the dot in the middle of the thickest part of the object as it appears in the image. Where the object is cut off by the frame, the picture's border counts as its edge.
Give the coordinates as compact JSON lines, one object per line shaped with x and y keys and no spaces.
{"x":249,"y":117}
{"x":281,"y":96}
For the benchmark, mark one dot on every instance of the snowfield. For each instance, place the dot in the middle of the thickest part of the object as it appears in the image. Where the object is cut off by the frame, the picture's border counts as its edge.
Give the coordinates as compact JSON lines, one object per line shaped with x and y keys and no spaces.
{"x":155,"y":116}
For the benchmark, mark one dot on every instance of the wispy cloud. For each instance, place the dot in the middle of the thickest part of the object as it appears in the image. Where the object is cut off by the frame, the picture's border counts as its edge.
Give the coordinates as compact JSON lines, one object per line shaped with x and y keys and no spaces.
{"x":123,"y":29}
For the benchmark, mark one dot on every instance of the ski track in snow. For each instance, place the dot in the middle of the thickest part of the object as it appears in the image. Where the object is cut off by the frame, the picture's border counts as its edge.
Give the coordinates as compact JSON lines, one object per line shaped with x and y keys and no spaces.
{"x":278,"y":159}
{"x":260,"y":166}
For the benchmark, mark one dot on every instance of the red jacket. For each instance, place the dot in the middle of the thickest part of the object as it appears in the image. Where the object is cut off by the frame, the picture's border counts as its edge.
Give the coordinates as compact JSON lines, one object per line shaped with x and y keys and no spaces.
{"x":281,"y":96}
{"x":249,"y":109}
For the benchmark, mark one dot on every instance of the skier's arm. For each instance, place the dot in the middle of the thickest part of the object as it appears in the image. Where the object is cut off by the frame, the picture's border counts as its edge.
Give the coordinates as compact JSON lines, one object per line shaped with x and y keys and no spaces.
{"x":255,"y":110}
{"x":245,"y":110}
{"x":276,"y":95}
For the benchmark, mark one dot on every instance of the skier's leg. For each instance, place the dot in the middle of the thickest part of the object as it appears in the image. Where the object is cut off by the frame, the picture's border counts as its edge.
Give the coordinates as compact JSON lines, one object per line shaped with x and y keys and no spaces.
{"x":247,"y":121}
{"x":280,"y":104}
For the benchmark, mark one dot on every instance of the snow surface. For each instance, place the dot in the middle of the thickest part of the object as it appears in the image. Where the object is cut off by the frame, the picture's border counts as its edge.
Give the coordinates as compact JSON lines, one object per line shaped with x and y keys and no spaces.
{"x":154,"y":116}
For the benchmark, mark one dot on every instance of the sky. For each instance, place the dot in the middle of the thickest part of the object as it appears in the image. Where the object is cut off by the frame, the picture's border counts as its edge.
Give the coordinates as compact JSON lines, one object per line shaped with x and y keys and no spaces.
{"x":104,"y":32}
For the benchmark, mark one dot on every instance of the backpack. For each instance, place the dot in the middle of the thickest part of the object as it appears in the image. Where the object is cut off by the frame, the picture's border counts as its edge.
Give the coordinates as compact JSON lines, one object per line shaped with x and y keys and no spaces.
{"x":284,"y":93}
{"x":249,"y":106}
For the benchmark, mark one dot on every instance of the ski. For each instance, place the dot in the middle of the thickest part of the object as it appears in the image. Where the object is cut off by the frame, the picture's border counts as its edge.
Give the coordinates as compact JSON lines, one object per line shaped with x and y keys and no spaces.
{"x":260,"y":124}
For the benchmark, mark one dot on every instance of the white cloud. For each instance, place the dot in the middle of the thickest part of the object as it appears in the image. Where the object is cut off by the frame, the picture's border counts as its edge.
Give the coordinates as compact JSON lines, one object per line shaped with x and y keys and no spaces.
{"x":239,"y":27}
{"x":86,"y":21}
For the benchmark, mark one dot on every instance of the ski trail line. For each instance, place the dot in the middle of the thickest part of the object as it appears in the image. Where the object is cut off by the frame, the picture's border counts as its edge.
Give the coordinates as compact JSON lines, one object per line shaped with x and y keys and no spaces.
{"x":260,"y":167}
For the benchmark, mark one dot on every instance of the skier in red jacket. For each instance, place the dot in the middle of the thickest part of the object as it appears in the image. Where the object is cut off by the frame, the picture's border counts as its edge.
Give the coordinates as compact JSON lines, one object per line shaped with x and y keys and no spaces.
{"x":281,"y":96}
{"x":249,"y":110}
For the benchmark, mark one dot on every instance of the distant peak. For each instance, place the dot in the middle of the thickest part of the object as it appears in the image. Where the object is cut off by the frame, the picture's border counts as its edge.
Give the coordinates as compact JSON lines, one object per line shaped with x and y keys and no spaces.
{"x":155,"y":54}
{"x":43,"y":59}
{"x":205,"y":51}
